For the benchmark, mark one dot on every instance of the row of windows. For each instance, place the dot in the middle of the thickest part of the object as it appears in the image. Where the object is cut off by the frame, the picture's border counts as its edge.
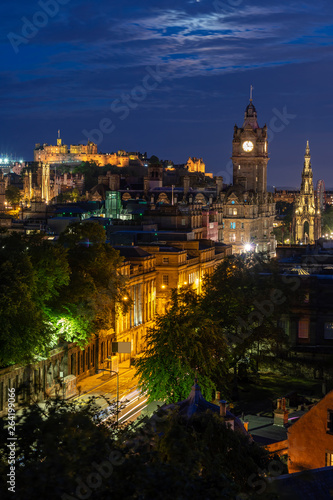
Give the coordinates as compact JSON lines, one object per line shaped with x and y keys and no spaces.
{"x":304,"y":329}
{"x":233,"y":225}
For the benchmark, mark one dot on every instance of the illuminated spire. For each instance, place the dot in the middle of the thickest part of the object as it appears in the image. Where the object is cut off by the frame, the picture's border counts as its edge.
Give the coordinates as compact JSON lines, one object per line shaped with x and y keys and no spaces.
{"x":251,"y":93}
{"x":307,"y":150}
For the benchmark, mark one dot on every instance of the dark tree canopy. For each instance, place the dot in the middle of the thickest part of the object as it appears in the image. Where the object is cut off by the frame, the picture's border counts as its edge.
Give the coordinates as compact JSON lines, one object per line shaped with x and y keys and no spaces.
{"x":184,"y":343}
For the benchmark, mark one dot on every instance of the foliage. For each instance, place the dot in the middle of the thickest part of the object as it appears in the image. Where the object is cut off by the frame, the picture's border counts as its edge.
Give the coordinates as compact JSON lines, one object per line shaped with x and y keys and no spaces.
{"x":246,"y":295}
{"x":51,"y":292}
{"x":55,"y":445}
{"x":327,"y":220}
{"x":283,"y":232}
{"x":32,"y":272}
{"x":13,"y":195}
{"x":64,"y":451}
{"x":95,"y":282}
{"x":183,"y":344}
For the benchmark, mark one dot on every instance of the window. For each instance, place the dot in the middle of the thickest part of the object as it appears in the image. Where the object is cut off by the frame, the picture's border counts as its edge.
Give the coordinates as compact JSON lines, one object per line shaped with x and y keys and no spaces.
{"x":165,"y":260}
{"x":232,"y":225}
{"x":234,"y":211}
{"x":230,"y":211}
{"x":232,"y":237}
{"x":242,"y":239}
{"x":329,"y":459}
{"x":242,"y":225}
{"x":330,"y":421}
{"x":165,"y":279}
{"x":303,"y":328}
{"x":183,"y":222}
{"x":328,"y":331}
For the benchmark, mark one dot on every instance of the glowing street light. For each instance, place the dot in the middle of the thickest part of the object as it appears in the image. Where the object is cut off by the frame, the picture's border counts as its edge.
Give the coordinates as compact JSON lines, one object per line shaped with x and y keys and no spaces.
{"x":248,"y":247}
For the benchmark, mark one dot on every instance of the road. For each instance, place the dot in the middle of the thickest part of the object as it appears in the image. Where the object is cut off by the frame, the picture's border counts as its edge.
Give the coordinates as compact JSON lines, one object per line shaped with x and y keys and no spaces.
{"x":105,"y":392}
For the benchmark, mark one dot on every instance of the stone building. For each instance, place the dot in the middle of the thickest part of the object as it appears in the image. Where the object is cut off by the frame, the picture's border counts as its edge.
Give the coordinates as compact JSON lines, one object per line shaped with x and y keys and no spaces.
{"x":306,"y":225}
{"x":249,"y":210}
{"x":310,"y":439}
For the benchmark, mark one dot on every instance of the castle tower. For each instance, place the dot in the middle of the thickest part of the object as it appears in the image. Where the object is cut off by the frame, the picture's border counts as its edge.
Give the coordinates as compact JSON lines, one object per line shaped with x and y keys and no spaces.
{"x":59,"y":141}
{"x":249,"y":152}
{"x":306,"y":215}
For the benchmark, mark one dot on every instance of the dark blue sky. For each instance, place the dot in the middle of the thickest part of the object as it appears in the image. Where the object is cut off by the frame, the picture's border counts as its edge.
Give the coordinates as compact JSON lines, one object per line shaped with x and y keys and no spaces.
{"x":84,"y":65}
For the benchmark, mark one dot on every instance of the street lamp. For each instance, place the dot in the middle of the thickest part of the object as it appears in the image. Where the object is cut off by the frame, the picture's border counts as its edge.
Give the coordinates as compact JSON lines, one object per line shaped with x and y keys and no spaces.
{"x":117,"y":373}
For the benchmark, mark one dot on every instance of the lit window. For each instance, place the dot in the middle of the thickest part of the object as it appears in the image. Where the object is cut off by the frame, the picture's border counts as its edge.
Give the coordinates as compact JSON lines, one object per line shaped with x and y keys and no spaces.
{"x":328,"y":331}
{"x":329,"y":459}
{"x":232,"y":225}
{"x":232,"y":237}
{"x":303,"y":328}
{"x":165,"y":279}
{"x":329,"y":421}
{"x":234,"y":212}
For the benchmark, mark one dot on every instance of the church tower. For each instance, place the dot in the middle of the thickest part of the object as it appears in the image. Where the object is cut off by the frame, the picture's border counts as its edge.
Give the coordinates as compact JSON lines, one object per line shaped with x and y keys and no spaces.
{"x":250,"y":152}
{"x":306,"y":216}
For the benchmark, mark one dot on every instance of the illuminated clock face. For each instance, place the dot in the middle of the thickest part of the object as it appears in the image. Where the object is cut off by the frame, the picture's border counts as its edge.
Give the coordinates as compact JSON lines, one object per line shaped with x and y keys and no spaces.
{"x":247,"y":146}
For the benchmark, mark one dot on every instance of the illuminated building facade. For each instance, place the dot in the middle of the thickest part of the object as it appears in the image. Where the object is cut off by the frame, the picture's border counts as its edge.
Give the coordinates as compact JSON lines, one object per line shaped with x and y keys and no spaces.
{"x":61,"y":153}
{"x":181,"y":263}
{"x":306,"y":215}
{"x":249,"y":210}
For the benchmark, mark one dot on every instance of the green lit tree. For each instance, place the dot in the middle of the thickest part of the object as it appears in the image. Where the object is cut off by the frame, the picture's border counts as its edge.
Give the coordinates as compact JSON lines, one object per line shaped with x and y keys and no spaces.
{"x":32,"y":272}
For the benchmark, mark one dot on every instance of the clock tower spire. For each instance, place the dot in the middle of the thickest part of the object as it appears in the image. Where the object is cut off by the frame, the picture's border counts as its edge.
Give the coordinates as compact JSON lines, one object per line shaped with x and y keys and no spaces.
{"x":249,"y":152}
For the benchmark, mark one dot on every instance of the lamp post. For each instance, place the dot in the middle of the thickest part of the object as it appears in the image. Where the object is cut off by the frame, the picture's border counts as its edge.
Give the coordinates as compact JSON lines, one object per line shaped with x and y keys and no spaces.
{"x":117,"y":373}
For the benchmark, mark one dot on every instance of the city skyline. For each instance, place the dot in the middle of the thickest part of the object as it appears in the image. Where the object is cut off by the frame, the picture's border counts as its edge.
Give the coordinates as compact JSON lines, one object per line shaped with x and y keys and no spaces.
{"x":170,"y":80}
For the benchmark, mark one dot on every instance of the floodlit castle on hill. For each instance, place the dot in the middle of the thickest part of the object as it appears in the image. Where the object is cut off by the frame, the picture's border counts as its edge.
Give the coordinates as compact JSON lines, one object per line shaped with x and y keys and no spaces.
{"x":77,"y":153}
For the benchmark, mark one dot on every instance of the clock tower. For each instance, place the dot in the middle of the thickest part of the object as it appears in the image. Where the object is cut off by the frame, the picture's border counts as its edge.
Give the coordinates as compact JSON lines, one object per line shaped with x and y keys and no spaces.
{"x":248,"y":209}
{"x":250,"y":153}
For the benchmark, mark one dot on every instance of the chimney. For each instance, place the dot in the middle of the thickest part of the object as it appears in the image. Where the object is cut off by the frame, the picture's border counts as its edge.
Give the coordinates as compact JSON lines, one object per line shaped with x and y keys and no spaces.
{"x":146,"y":185}
{"x":186,"y":185}
{"x":219,"y":185}
{"x":223,"y":408}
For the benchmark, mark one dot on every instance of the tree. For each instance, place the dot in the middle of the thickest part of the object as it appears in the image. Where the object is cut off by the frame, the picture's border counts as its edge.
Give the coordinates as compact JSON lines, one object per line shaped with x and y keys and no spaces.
{"x":32,"y":272}
{"x":65,"y":452}
{"x":285,"y":212}
{"x":327,"y":220}
{"x":183,"y":344}
{"x":246,"y":296}
{"x":13,"y":195}
{"x":95,"y":282}
{"x":56,"y":446}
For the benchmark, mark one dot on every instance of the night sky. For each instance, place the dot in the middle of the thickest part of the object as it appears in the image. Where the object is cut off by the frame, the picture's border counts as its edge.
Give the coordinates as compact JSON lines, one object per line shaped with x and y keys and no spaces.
{"x":183,"y":67}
